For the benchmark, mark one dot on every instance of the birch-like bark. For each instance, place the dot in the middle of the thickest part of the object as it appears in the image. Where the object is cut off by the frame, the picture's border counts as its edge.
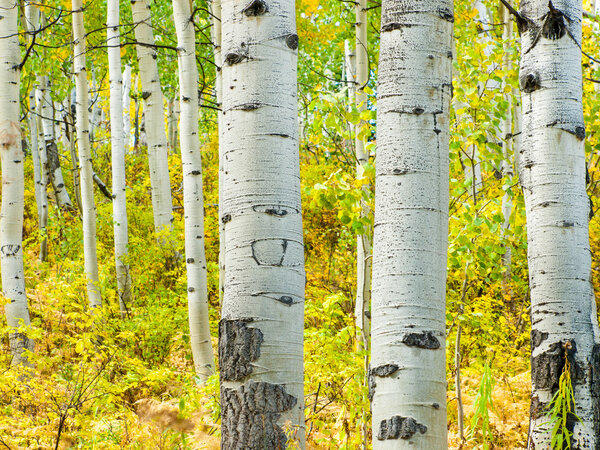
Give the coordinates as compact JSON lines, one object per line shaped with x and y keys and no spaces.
{"x":215,"y":12}
{"x":563,"y":308}
{"x":13,"y":184}
{"x":173,"y":109}
{"x":155,"y":117}
{"x":126,"y":102}
{"x":193,"y":199}
{"x":261,"y":330}
{"x":43,"y":178}
{"x":507,"y":152}
{"x":408,"y":375}
{"x":85,"y":157}
{"x":117,"y":139}
{"x":363,"y":241}
{"x":63,"y":200}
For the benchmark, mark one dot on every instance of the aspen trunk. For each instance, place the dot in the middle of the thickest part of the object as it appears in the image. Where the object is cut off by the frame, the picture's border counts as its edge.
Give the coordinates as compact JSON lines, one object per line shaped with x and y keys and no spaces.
{"x":85,"y":157}
{"x":155,"y":117}
{"x":117,"y":139}
{"x":13,"y":184}
{"x":193,"y":199}
{"x":408,"y":375}
{"x":261,"y":379}
{"x":126,"y":102}
{"x":552,"y":173}
{"x":43,"y":178}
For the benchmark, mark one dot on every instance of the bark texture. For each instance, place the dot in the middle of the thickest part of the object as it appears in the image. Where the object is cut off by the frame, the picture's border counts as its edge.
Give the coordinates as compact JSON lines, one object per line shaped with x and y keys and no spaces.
{"x":155,"y":117}
{"x":13,"y":184}
{"x":117,"y":140}
{"x":193,"y":198}
{"x":262,"y":403}
{"x":552,"y":173}
{"x":408,"y":376}
{"x":85,"y":157}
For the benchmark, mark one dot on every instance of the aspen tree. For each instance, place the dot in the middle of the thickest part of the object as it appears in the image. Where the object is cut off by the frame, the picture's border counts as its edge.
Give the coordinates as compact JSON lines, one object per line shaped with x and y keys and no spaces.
{"x":553,"y":178}
{"x":126,"y":103}
{"x":13,"y":184}
{"x":193,"y":199}
{"x":85,"y":157}
{"x":360,"y":74}
{"x":154,"y":117}
{"x":261,"y":330}
{"x":408,"y":376}
{"x":117,"y":139}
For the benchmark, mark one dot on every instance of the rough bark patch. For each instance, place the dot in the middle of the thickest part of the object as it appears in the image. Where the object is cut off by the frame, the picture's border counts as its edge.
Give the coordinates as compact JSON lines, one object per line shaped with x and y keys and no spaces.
{"x":292,"y":41}
{"x":384,"y":370}
{"x":394,"y":26}
{"x":255,"y":8}
{"x":424,"y":340}
{"x":537,"y":337}
{"x":595,"y":386}
{"x":554,"y":26}
{"x":274,"y":210}
{"x":530,"y":82}
{"x":547,"y":366}
{"x":399,"y":427}
{"x":250,"y":416}
{"x":239,"y":346}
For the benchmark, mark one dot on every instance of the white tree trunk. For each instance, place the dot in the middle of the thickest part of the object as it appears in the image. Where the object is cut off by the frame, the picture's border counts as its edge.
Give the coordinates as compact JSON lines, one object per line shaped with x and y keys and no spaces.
{"x":85,"y":157}
{"x":563,"y":307}
{"x":126,"y":104}
{"x":261,"y":330}
{"x":172,"y":122}
{"x":155,"y":117}
{"x":117,"y":139}
{"x":193,"y":199}
{"x":507,"y":152}
{"x":408,"y":375}
{"x":363,"y":241}
{"x":43,"y":177}
{"x":63,"y":200}
{"x":13,"y":184}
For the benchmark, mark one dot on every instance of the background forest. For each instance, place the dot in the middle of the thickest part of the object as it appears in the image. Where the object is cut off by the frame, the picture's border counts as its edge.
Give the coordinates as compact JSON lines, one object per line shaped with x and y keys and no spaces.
{"x":106,"y":381}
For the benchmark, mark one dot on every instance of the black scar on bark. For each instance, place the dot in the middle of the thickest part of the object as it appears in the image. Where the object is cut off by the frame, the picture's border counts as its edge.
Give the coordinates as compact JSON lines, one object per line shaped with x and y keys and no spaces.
{"x":292,"y":41}
{"x":580,"y":133}
{"x":239,"y":346}
{"x":547,"y":367}
{"x":537,"y":337}
{"x":424,"y":340}
{"x":250,"y":416}
{"x":398,"y":427}
{"x":595,"y":384}
{"x":274,"y":210}
{"x":446,"y":14}
{"x":10,"y":249}
{"x":146,"y":94}
{"x":537,"y":408}
{"x":384,"y":370}
{"x":255,"y":8}
{"x":391,"y":26}
{"x":235,"y":57}
{"x":248,"y":106}
{"x":226,"y":218}
{"x":554,"y":26}
{"x":530,"y":82}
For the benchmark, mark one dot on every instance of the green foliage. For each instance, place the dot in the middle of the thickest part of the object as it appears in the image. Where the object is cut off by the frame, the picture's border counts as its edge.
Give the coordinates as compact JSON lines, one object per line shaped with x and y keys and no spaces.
{"x":480,"y":422}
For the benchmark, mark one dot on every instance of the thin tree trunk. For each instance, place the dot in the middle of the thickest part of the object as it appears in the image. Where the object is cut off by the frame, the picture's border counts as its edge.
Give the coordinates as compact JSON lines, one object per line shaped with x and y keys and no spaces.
{"x":126,"y":103}
{"x":563,"y":307}
{"x":85,"y":157}
{"x":155,"y":117}
{"x":363,"y":241}
{"x":408,"y":375}
{"x":13,"y":184}
{"x":261,"y":380}
{"x":43,"y":178}
{"x":117,"y":139}
{"x":193,"y":199}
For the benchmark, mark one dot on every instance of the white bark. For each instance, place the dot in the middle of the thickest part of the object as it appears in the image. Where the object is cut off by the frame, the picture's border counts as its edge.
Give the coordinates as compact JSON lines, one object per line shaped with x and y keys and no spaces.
{"x":172,"y":122}
{"x":363,"y":241}
{"x":13,"y":184}
{"x":117,"y":139}
{"x":126,"y":104}
{"x":261,"y":380}
{"x":563,"y":308}
{"x":43,"y":177}
{"x":155,"y":117}
{"x":507,"y":152}
{"x":408,"y":375}
{"x":193,"y":199}
{"x":63,"y":200}
{"x":85,"y":157}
